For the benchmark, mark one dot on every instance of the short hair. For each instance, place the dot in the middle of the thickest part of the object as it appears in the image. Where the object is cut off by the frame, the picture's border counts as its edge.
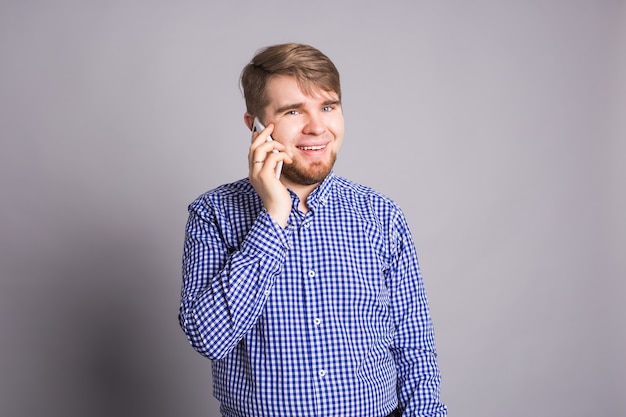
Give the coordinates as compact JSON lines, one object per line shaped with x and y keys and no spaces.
{"x":311,"y":68}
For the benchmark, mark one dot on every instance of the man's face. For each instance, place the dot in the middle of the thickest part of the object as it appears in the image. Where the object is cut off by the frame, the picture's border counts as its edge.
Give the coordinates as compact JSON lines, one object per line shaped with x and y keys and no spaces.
{"x":310,"y":126}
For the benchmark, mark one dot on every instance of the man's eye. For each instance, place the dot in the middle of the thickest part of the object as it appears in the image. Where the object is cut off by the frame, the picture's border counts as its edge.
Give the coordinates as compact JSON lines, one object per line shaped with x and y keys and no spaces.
{"x":292,"y":112}
{"x":327,"y":108}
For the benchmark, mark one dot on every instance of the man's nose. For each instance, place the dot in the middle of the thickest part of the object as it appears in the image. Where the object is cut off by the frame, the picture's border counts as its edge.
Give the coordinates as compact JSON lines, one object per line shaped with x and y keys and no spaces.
{"x":314,"y":125}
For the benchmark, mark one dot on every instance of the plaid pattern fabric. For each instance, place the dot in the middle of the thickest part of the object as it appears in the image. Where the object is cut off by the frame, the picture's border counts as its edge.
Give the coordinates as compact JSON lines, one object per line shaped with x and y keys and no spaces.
{"x":327,"y":317}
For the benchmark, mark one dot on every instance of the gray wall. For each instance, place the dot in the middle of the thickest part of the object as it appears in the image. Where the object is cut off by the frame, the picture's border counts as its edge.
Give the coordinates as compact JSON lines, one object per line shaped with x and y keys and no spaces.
{"x":497,"y":125}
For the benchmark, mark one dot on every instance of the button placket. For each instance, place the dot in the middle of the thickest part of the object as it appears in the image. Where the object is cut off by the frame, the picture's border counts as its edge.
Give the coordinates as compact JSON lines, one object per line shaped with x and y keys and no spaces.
{"x":310,"y":278}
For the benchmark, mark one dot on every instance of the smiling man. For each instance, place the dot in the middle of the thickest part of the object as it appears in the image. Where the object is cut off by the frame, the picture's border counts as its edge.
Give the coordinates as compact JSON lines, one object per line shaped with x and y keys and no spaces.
{"x":310,"y":128}
{"x":304,"y":288}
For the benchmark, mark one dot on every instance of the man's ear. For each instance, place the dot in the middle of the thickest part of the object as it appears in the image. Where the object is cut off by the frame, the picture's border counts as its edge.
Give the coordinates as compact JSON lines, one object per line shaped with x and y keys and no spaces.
{"x":248,"y":119}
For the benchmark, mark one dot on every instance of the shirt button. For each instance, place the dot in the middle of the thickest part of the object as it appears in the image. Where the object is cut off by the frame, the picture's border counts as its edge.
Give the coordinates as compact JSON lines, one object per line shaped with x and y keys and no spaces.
{"x":322,"y":373}
{"x":267,"y":292}
{"x":317,"y":321}
{"x":311,"y":273}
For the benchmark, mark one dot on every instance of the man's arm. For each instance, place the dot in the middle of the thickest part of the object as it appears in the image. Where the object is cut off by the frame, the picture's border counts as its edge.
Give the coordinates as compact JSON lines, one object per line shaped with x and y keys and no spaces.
{"x":224,"y":293}
{"x":413,"y":347}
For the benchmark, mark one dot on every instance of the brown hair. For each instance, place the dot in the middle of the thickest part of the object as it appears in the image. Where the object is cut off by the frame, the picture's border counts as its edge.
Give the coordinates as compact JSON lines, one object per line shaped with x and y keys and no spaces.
{"x":311,"y":68}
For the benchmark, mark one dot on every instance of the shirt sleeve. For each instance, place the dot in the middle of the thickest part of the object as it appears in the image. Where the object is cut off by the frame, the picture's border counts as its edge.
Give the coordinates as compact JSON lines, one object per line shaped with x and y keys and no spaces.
{"x":413,"y":347}
{"x":224,"y":290}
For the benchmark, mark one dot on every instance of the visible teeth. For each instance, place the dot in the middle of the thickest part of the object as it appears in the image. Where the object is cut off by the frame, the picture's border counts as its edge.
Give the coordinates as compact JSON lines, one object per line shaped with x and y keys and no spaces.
{"x":311,"y":148}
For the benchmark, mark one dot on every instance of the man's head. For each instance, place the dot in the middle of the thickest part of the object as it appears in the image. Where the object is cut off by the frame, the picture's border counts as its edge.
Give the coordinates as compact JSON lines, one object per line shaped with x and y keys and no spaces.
{"x":311,"y":68}
{"x":296,"y":88}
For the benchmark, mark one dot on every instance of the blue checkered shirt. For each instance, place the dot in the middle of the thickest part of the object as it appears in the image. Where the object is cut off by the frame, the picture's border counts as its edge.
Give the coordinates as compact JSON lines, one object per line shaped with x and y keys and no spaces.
{"x":327,"y":317}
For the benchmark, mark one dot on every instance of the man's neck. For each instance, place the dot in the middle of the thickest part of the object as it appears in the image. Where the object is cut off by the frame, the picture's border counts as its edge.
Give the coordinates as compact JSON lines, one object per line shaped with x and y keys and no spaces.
{"x":303,"y":192}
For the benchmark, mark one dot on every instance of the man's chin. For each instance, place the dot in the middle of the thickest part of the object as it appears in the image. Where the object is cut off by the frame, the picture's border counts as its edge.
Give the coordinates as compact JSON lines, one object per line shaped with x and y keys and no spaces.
{"x":311,"y":176}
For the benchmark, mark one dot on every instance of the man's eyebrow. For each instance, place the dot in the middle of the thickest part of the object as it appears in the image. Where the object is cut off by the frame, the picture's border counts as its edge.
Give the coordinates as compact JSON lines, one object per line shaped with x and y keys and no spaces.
{"x":296,"y":106}
{"x":333,"y":102}
{"x":286,"y":107}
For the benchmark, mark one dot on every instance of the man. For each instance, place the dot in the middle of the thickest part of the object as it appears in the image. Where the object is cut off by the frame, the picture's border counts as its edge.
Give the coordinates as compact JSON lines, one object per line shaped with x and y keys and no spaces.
{"x":305,"y":290}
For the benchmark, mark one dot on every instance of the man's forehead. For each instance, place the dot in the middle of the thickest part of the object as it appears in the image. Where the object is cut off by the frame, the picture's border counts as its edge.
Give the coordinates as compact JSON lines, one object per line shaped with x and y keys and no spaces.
{"x":286,"y":85}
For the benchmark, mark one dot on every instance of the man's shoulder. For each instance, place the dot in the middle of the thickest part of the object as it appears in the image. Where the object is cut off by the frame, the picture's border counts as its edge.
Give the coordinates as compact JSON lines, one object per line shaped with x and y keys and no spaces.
{"x":241,"y":186}
{"x":348,"y":187}
{"x":368,"y":204}
{"x":233,"y":191}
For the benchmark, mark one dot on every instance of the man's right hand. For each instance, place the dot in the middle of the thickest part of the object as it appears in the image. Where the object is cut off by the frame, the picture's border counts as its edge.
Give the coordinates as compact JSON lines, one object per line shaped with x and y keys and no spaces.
{"x":262,"y":162}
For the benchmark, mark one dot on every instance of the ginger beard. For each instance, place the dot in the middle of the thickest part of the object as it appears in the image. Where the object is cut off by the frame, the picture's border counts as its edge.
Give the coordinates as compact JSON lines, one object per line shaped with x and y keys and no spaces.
{"x":309,"y":173}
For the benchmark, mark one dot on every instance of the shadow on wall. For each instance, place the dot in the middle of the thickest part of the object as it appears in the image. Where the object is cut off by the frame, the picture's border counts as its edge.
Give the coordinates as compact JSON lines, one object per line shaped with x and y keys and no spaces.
{"x":93,"y":332}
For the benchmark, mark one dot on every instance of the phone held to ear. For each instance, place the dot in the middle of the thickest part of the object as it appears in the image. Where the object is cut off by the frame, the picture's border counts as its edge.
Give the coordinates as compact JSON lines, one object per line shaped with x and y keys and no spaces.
{"x":257,"y":126}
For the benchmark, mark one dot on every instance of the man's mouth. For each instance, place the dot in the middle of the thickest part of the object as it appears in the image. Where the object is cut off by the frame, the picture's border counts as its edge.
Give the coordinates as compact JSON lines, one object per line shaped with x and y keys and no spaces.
{"x":311,"y":148}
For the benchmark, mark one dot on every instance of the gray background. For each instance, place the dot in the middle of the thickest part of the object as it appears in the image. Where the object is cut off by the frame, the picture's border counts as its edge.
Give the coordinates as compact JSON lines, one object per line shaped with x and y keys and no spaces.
{"x":497,"y":125}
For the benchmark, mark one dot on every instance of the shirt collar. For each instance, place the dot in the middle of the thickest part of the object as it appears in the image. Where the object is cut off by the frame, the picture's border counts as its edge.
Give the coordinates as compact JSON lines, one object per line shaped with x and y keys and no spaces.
{"x":320,"y":195}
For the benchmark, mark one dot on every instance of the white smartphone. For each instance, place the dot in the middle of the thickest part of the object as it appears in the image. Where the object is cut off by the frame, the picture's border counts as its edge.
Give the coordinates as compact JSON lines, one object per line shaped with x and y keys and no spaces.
{"x":257,"y":126}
